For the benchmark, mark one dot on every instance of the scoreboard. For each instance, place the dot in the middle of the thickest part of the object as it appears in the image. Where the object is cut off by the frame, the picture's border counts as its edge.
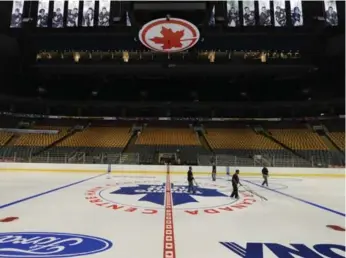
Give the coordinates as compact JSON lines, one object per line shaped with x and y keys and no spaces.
{"x":103,"y":13}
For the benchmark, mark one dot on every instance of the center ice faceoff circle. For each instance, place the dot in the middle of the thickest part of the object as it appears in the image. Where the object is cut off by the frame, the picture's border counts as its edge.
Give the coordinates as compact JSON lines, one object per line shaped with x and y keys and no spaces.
{"x":147,"y":197}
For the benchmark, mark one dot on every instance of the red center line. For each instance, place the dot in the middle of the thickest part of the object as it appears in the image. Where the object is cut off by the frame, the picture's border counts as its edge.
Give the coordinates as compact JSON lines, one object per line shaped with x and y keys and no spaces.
{"x":168,"y":242}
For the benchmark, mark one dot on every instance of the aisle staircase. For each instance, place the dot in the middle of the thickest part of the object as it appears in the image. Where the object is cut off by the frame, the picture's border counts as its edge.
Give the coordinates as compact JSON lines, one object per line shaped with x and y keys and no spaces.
{"x":12,"y":140}
{"x":337,"y":155}
{"x":300,"y":157}
{"x":204,"y":142}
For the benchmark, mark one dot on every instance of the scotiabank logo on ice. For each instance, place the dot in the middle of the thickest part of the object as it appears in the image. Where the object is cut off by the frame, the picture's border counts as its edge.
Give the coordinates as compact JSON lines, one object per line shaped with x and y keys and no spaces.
{"x":49,"y":245}
{"x":264,"y":250}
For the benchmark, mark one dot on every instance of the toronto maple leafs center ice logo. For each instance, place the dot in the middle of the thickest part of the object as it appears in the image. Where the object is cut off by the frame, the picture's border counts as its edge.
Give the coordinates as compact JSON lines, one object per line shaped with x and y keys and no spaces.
{"x":173,"y":35}
{"x":156,"y":193}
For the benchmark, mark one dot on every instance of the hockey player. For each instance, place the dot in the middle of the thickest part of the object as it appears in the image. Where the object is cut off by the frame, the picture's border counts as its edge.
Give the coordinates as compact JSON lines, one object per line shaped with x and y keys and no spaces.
{"x":104,"y":17}
{"x":42,"y":19}
{"x":265,"y":174}
{"x":58,"y":19}
{"x":213,"y":172}
{"x":190,"y":180}
{"x":280,"y":16}
{"x":235,"y":182}
{"x":249,"y":17}
{"x":88,"y":19}
{"x":16,"y":20}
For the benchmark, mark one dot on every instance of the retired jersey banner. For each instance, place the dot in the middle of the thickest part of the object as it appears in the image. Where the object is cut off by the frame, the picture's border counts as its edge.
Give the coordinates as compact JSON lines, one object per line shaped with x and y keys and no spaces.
{"x":233,"y":13}
{"x":173,"y":35}
{"x":88,"y":13}
{"x":72,"y":13}
{"x":42,"y":15}
{"x":331,"y":13}
{"x":280,"y":19}
{"x":249,"y":13}
{"x":104,"y":13}
{"x":296,"y":12}
{"x":58,"y":14}
{"x":264,"y":13}
{"x":17,"y":14}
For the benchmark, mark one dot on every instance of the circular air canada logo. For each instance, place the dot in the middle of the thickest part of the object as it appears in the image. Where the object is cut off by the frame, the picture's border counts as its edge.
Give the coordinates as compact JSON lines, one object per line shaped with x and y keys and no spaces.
{"x":169,"y":35}
{"x":50,"y":245}
{"x":148,"y":197}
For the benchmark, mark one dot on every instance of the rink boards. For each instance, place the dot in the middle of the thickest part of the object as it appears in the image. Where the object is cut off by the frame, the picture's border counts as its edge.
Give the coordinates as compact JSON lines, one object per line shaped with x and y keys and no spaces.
{"x":150,"y":213}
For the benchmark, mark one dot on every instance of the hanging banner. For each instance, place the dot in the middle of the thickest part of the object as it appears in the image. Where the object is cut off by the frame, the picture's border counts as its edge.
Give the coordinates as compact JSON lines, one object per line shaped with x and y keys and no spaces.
{"x":212,"y":17}
{"x":58,"y":14}
{"x":331,"y":13}
{"x":72,"y":13}
{"x":88,"y":13}
{"x":42,"y":14}
{"x":104,"y":13}
{"x":264,"y":13}
{"x":249,"y":13}
{"x":296,"y":12}
{"x":17,"y":14}
{"x":280,"y":13}
{"x":233,"y":13}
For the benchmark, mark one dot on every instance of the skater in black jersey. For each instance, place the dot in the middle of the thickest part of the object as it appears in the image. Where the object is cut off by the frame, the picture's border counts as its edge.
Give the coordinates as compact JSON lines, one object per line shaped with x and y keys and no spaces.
{"x":190,"y":180}
{"x":265,"y":174}
{"x":213,"y":172}
{"x":235,"y":183}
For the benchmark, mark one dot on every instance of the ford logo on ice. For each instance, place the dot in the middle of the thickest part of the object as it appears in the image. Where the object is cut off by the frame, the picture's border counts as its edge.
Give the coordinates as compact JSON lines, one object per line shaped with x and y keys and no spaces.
{"x":39,"y":244}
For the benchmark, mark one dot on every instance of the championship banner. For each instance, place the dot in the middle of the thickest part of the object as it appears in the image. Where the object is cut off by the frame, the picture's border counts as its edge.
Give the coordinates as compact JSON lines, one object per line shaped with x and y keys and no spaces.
{"x":280,"y":13}
{"x":264,"y":13}
{"x":17,"y":14}
{"x":296,"y":12}
{"x":42,"y":14}
{"x":249,"y":13}
{"x":104,"y":13}
{"x":88,"y":13}
{"x":233,"y":13}
{"x":72,"y":13}
{"x":331,"y":13}
{"x":58,"y":14}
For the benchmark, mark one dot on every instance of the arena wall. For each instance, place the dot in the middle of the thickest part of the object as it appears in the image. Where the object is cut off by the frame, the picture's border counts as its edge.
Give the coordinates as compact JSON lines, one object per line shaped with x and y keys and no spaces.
{"x":161,"y":169}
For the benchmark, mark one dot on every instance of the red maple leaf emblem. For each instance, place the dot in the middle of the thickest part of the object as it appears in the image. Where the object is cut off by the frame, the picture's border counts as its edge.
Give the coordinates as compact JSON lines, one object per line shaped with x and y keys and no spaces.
{"x":169,"y":39}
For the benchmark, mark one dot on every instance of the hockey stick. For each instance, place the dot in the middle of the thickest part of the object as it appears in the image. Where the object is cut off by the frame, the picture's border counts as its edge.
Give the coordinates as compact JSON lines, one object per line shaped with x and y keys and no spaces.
{"x":248,"y":189}
{"x":194,"y":180}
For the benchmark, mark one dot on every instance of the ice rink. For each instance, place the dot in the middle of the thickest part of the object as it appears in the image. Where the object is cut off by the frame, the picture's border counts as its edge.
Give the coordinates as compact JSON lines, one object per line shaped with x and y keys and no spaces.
{"x":74,"y":214}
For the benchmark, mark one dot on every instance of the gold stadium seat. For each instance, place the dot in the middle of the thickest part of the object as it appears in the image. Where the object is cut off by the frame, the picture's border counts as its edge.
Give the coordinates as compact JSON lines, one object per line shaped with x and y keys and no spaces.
{"x":41,"y":139}
{"x":299,"y":139}
{"x":108,"y":137}
{"x":338,"y":138}
{"x":168,"y":136}
{"x":220,"y":138}
{"x":4,"y":137}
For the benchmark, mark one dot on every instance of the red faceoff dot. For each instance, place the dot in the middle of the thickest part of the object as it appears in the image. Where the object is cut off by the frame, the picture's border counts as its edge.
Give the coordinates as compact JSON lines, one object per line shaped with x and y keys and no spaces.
{"x":8,"y":219}
{"x":335,"y":227}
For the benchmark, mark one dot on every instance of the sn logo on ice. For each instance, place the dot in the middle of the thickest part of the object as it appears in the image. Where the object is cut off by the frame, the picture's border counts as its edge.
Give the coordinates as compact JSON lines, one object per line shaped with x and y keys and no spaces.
{"x":256,"y":250}
{"x":24,"y":244}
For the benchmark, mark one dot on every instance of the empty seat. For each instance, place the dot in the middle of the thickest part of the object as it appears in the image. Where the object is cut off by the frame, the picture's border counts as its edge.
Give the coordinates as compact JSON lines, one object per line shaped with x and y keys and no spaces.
{"x":338,"y":138}
{"x":41,"y":139}
{"x":109,"y":137}
{"x":299,"y":139}
{"x":168,"y":136}
{"x":238,"y":139}
{"x":5,"y":137}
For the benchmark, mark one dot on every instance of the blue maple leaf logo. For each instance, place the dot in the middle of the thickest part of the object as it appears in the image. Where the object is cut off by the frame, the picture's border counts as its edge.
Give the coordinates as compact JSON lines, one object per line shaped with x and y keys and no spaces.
{"x":156,"y":193}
